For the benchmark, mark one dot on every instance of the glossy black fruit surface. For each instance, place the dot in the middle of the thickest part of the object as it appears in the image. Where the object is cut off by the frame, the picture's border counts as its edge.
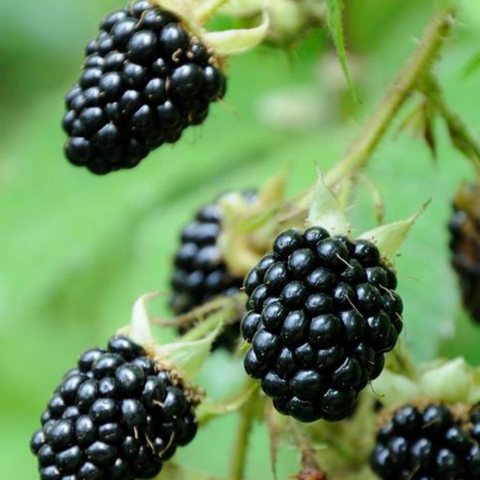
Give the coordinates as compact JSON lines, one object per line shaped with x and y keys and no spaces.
{"x":144,"y":81}
{"x":464,"y":227}
{"x":200,"y":273}
{"x":115,"y":417}
{"x":428,"y":442}
{"x":322,"y":312}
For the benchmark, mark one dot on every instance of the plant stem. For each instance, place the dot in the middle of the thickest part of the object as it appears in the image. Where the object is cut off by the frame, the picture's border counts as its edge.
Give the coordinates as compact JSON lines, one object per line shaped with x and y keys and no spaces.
{"x":221,"y":303}
{"x":225,"y":315}
{"x":240,"y":449}
{"x":460,"y":134}
{"x":405,"y":84}
{"x":407,"y":81}
{"x":309,"y":458}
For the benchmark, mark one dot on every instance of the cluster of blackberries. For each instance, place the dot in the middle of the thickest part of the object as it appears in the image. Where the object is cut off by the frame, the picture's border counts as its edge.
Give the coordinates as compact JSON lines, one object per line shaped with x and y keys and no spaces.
{"x":322,"y":313}
{"x":117,"y":416}
{"x":428,"y":444}
{"x":464,"y":229}
{"x":145,"y":80}
{"x":200,"y":273}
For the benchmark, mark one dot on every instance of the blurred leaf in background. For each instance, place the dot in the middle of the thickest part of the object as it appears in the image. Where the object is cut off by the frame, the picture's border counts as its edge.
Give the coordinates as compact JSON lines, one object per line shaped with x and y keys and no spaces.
{"x":76,"y":250}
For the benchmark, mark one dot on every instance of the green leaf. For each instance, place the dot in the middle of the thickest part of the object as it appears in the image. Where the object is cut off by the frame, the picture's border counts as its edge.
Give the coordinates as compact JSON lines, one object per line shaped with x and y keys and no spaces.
{"x":462,"y":340}
{"x":377,"y":200}
{"x":335,"y":24}
{"x":472,"y":65}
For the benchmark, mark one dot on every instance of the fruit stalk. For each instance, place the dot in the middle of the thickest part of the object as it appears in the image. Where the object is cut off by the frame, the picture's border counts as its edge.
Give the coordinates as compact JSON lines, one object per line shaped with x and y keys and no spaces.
{"x":307,"y":450}
{"x":240,"y":449}
{"x":407,"y":81}
{"x":222,"y":303}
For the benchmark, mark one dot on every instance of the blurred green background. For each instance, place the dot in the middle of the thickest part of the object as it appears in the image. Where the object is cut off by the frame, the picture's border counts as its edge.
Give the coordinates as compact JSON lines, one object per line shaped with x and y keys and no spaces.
{"x":76,"y":250}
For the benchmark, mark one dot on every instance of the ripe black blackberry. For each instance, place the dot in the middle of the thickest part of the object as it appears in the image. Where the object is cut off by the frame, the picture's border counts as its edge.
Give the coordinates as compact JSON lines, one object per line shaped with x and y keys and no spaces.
{"x":464,"y":229}
{"x":427,"y":443}
{"x":145,"y":79}
{"x":322,"y":313}
{"x":200,"y":273}
{"x":475,"y":423}
{"x":117,"y":416}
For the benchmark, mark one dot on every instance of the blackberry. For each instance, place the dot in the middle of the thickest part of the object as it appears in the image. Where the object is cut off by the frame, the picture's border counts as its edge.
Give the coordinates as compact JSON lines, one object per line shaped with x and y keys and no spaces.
{"x":426,"y":443}
{"x":464,"y":228}
{"x":116,"y":416}
{"x":200,"y":273}
{"x":145,"y":79}
{"x":322,"y":311}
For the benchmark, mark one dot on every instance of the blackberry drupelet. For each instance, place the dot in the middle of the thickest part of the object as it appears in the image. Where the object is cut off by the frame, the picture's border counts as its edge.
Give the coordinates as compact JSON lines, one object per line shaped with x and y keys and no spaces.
{"x":200,"y":273}
{"x":427,"y":443}
{"x":117,"y":416}
{"x":145,"y":79}
{"x":322,"y":313}
{"x":475,"y":422}
{"x":464,"y":229}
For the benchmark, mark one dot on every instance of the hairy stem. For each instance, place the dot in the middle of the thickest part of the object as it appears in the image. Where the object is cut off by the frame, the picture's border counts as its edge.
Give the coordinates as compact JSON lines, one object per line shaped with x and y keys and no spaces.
{"x":406,"y":83}
{"x":461,"y":136}
{"x":221,"y":303}
{"x":225,"y":315}
{"x":305,"y":447}
{"x":240,"y":449}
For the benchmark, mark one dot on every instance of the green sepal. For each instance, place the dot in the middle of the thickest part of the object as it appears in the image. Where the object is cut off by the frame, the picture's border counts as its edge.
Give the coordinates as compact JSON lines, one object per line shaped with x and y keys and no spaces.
{"x":195,"y":14}
{"x":232,"y":42}
{"x":249,"y":226}
{"x":325,"y":210}
{"x":393,"y":389}
{"x":451,"y":382}
{"x":139,"y":329}
{"x":389,"y":238}
{"x":211,"y":408}
{"x":189,"y":356}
